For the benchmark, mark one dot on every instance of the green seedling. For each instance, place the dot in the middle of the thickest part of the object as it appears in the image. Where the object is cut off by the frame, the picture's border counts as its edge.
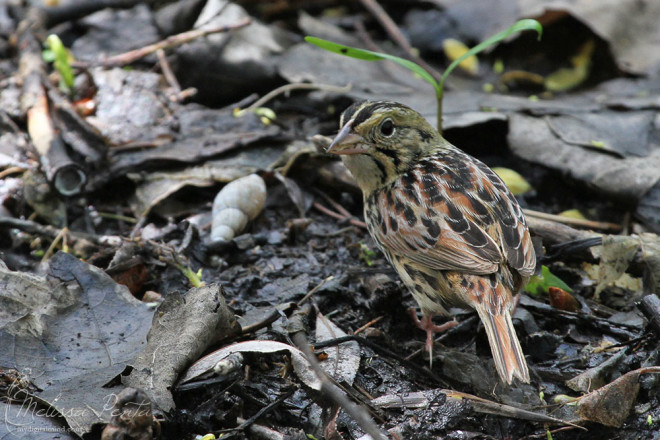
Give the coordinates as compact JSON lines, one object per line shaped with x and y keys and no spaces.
{"x":266,"y":115}
{"x":60,"y":56}
{"x":195,"y":278}
{"x":367,"y":55}
{"x":366,"y":254}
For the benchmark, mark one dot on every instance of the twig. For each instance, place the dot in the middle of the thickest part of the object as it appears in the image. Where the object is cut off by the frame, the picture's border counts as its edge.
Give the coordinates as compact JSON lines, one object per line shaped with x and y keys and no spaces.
{"x":60,"y":236}
{"x":331,"y":213}
{"x":167,"y":71}
{"x":11,"y":170}
{"x":395,"y":34}
{"x":262,"y":411}
{"x":118,"y":217}
{"x":296,"y":86}
{"x":333,"y":392}
{"x":314,"y":290}
{"x":327,"y":211}
{"x":168,"y":43}
{"x":32,"y":227}
{"x":183,"y":94}
{"x":574,"y":221}
{"x":368,"y":324}
{"x":340,"y":209}
{"x":489,"y":407}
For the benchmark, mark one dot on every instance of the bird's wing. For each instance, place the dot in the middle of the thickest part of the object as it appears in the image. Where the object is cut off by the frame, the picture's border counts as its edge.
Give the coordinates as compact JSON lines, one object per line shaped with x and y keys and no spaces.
{"x":451,"y":212}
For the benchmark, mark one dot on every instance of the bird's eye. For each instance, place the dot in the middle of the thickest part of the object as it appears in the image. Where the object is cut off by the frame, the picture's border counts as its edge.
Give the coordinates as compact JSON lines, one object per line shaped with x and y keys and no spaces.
{"x":387,"y":128}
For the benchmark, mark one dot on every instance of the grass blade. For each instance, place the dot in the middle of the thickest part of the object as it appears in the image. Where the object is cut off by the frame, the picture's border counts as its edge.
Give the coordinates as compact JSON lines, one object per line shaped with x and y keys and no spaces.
{"x":367,"y":55}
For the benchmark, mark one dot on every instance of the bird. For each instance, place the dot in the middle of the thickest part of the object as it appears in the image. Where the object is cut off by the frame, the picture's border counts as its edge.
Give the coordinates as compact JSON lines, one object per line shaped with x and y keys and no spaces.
{"x":444,"y":220}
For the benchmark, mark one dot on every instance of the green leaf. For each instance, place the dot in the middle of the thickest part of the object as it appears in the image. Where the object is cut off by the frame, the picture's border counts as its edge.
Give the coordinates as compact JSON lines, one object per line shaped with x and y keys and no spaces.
{"x":522,"y":25}
{"x":61,"y":61}
{"x":48,"y":55}
{"x":547,"y":279}
{"x":367,"y":55}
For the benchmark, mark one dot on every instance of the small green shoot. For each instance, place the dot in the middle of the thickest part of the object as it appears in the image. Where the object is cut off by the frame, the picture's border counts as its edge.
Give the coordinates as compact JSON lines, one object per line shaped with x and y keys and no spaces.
{"x":367,"y":55}
{"x":366,"y":254}
{"x":266,"y":115}
{"x":60,"y":56}
{"x":195,"y":278}
{"x":540,"y":284}
{"x":649,"y":420}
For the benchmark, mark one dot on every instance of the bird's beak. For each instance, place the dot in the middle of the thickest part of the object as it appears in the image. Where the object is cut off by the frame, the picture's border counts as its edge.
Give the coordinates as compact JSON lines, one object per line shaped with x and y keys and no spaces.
{"x":348,"y":142}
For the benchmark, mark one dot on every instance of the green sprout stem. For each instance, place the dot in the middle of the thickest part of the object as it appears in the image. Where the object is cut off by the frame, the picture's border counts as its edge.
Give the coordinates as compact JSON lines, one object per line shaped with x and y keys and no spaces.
{"x":367,"y":55}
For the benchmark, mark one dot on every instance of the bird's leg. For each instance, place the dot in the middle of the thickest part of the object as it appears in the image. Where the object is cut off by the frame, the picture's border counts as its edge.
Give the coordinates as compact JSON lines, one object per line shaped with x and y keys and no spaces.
{"x":426,"y":324}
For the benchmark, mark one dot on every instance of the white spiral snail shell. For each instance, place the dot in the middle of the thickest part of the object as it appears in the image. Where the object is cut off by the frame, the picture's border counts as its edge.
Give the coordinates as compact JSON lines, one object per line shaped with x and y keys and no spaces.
{"x":237,"y":203}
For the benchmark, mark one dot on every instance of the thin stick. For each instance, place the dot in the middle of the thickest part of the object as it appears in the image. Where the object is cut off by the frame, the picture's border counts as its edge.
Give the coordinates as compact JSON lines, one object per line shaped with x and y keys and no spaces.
{"x":11,"y":170}
{"x":327,"y":211}
{"x":332,"y":391}
{"x":368,"y":324}
{"x":334,"y":204}
{"x":395,"y":34}
{"x":296,"y":86}
{"x":353,"y":221}
{"x":574,"y":221}
{"x":167,"y":71}
{"x":60,"y":236}
{"x":314,"y":290}
{"x":118,"y":217}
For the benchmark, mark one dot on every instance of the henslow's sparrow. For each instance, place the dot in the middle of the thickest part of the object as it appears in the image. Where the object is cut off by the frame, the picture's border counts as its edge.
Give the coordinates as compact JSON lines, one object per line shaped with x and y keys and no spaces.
{"x":445,"y":221}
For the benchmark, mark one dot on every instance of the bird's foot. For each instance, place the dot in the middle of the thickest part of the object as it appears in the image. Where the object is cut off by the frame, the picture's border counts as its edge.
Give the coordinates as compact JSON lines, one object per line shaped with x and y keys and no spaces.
{"x":426,"y":324}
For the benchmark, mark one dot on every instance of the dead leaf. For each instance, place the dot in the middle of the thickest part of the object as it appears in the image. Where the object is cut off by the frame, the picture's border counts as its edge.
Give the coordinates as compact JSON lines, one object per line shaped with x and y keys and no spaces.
{"x":205,"y":365}
{"x":74,"y":342}
{"x":183,"y":327}
{"x":611,"y":404}
{"x":618,"y":252}
{"x":343,"y":360}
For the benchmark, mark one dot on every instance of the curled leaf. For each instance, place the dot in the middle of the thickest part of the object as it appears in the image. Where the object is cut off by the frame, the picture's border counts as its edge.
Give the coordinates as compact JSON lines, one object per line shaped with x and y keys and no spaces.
{"x":562,"y":300}
{"x":455,"y":49}
{"x":573,"y":213}
{"x":513,"y":180}
{"x":570,"y":77}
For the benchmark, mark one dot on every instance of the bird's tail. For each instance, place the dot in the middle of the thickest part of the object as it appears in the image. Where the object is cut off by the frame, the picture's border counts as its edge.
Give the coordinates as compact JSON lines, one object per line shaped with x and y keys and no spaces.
{"x":509,"y":358}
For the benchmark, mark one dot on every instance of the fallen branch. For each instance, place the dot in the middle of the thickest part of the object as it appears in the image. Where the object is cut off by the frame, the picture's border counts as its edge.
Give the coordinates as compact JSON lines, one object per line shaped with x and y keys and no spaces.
{"x":168,"y":43}
{"x":605,"y":226}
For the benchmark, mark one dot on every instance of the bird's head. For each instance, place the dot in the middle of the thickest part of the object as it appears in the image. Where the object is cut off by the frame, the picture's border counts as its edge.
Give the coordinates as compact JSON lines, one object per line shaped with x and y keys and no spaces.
{"x":381,"y":140}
